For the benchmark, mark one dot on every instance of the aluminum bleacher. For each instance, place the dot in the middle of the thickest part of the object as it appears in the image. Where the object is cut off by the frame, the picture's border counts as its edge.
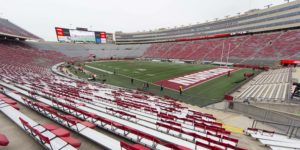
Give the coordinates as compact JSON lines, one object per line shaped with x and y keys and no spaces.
{"x":273,"y":140}
{"x":129,"y":127}
{"x":82,"y":127}
{"x":54,"y":140}
{"x":269,"y":86}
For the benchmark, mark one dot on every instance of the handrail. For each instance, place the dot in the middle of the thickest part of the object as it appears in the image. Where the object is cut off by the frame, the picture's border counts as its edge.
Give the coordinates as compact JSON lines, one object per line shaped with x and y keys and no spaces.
{"x":291,"y":132}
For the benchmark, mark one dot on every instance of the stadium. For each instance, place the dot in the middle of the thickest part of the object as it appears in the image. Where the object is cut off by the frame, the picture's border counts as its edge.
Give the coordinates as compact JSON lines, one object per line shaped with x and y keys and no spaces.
{"x":226,"y":84}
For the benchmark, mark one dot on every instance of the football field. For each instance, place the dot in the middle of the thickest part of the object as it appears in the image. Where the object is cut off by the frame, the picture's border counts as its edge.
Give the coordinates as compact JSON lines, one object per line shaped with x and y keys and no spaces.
{"x":120,"y":73}
{"x":147,"y":70}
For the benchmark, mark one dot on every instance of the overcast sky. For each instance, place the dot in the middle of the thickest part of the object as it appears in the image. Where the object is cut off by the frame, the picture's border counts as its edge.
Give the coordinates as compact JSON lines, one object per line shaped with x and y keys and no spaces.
{"x":41,"y":16}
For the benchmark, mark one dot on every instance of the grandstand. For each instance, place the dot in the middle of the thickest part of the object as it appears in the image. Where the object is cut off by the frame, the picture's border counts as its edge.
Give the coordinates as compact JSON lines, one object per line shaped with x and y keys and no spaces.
{"x":49,"y":101}
{"x":101,"y":51}
{"x":80,"y":107}
{"x":9,"y":29}
{"x":273,"y":18}
{"x":267,"y":47}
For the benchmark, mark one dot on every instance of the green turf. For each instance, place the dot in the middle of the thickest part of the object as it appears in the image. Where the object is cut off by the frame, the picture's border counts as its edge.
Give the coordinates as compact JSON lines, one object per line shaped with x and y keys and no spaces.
{"x":149,"y":71}
{"x":201,"y":95}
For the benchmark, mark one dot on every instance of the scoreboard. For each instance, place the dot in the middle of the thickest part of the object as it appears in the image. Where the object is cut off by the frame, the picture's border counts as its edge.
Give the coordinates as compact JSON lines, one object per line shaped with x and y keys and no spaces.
{"x":63,"y":35}
{"x":100,"y":37}
{"x":84,"y":36}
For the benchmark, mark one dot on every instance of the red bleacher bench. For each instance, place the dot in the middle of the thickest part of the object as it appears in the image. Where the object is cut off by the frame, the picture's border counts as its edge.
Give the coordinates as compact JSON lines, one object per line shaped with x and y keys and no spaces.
{"x":15,"y":107}
{"x":3,"y":140}
{"x":262,"y":131}
{"x":254,"y":130}
{"x":207,"y":146}
{"x":176,"y":147}
{"x":88,"y":124}
{"x":8,"y":101}
{"x":268,"y":132}
{"x":125,"y":146}
{"x":61,"y":132}
{"x":230,"y":139}
{"x":50,"y":127}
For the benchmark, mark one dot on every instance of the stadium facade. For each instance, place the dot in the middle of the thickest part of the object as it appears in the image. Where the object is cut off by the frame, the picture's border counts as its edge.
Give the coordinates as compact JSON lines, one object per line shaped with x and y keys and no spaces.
{"x":274,"y":18}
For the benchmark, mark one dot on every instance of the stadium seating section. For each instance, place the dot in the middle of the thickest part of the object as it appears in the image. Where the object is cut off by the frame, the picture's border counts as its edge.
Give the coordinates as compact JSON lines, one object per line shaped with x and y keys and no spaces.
{"x":245,"y":49}
{"x":8,"y":28}
{"x":154,"y":122}
{"x":101,"y":51}
{"x":275,"y":46}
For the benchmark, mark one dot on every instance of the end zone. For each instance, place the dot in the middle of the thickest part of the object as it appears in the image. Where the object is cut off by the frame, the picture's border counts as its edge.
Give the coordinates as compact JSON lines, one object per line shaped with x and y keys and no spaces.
{"x":194,"y":79}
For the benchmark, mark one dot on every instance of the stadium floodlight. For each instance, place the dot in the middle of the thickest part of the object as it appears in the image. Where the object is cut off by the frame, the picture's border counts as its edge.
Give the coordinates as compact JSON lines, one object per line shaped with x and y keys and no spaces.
{"x":287,"y":1}
{"x":239,"y":13}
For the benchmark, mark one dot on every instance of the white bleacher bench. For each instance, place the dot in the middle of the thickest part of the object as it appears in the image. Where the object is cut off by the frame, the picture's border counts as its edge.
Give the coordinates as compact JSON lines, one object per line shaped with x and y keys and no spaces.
{"x":39,"y":133}
{"x":273,"y":140}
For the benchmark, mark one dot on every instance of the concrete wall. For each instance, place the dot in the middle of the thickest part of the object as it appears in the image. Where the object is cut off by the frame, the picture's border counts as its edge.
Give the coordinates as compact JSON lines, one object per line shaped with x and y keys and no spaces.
{"x":285,"y":108}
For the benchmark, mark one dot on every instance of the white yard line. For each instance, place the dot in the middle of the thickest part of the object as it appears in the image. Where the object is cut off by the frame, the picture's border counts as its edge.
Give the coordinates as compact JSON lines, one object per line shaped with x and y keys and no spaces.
{"x":99,"y":69}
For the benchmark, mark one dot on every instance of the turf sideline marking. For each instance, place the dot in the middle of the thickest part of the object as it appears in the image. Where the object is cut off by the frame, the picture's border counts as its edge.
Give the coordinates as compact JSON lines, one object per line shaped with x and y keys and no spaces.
{"x":117,"y":74}
{"x":99,"y":69}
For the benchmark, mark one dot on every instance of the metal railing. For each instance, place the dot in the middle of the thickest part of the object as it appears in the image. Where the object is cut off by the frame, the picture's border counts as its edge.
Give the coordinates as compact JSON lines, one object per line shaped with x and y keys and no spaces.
{"x":283,"y":122}
{"x":291,"y":130}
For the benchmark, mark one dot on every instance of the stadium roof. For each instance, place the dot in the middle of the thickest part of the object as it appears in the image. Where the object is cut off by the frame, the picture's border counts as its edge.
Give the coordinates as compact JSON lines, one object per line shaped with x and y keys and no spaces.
{"x":9,"y":29}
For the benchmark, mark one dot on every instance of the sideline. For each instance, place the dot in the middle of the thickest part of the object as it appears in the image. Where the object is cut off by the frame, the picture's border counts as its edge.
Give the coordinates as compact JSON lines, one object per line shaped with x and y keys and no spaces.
{"x":99,"y":69}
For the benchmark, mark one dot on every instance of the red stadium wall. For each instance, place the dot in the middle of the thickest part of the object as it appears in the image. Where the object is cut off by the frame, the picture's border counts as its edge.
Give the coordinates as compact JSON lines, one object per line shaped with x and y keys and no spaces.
{"x":290,"y":62}
{"x":204,"y":37}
